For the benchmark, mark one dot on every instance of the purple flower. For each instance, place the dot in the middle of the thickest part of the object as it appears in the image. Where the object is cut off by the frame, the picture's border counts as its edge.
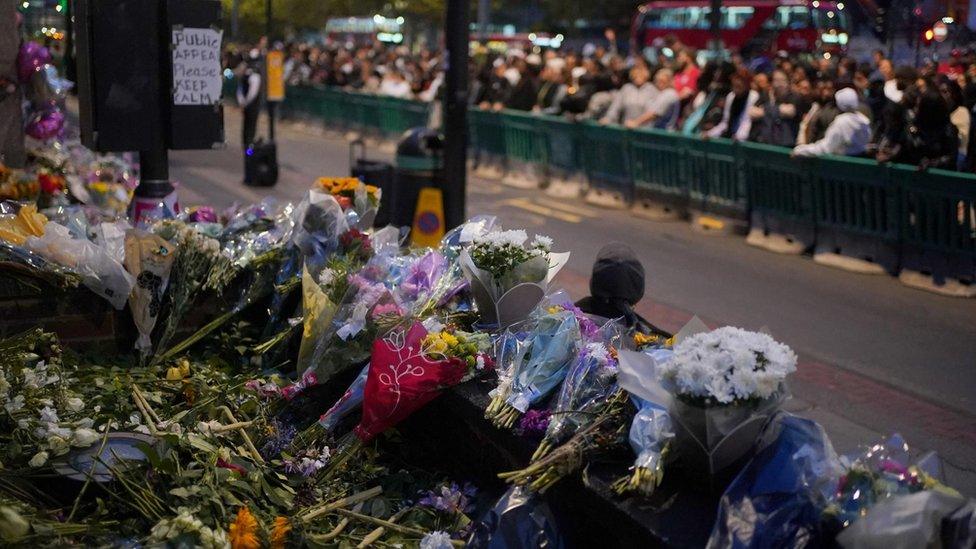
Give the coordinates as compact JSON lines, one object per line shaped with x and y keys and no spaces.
{"x":281,"y":437}
{"x":533,"y":424}
{"x":450,"y":499}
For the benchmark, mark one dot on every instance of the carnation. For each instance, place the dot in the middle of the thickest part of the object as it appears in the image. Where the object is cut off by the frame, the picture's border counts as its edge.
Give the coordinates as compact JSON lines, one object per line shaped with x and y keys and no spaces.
{"x":726,"y":366}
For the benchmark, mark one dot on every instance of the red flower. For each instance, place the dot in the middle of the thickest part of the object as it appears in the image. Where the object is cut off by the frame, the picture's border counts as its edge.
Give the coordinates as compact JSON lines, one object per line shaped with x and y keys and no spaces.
{"x":228,"y":465}
{"x":50,"y":183}
{"x":344,"y":202}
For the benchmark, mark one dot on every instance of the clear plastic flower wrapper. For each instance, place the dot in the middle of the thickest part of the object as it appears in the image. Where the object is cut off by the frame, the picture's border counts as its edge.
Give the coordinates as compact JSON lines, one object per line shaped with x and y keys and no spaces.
{"x":519,"y":519}
{"x":651,"y":430}
{"x":778,"y":498}
{"x":533,"y":358}
{"x":149,"y":258}
{"x":589,"y":381}
{"x":508,"y":273}
{"x":98,"y":269}
{"x":885,"y":499}
{"x":727,"y":384}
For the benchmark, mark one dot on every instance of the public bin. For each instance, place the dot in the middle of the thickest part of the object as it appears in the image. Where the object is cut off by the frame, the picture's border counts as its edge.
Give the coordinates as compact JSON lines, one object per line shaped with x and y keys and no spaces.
{"x":419,"y":164}
{"x":378,"y":174}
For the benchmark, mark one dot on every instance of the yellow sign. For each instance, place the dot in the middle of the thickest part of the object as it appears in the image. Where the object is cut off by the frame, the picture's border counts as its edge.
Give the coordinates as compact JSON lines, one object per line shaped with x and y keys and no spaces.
{"x":276,"y":76}
{"x":428,"y":221}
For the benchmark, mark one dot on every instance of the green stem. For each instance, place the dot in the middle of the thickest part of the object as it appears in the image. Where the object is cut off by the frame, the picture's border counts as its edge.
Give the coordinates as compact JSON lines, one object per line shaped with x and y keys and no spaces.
{"x":203,"y":332}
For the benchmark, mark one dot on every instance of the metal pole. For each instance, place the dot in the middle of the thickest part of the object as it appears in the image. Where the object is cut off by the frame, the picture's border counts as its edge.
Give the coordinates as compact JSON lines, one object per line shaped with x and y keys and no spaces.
{"x":484,"y":12}
{"x":455,"y":112}
{"x":271,"y":105}
{"x":715,"y":25}
{"x":235,"y":15}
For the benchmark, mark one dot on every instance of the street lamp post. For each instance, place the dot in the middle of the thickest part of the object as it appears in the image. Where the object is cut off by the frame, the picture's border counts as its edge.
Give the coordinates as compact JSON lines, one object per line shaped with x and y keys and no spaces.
{"x":715,"y":26}
{"x":455,"y":111}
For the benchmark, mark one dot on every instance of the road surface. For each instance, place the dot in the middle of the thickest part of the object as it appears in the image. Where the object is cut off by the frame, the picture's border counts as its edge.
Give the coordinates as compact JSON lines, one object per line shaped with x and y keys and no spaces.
{"x":876,"y":357}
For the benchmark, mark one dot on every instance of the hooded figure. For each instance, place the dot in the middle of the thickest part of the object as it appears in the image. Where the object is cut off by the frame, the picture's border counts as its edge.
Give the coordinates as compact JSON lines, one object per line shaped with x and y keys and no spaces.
{"x":847,"y":135}
{"x":616,"y":286}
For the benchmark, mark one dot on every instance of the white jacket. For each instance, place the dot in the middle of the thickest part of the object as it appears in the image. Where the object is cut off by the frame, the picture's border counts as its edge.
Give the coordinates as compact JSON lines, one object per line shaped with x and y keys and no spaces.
{"x":847,"y":135}
{"x":745,"y":122}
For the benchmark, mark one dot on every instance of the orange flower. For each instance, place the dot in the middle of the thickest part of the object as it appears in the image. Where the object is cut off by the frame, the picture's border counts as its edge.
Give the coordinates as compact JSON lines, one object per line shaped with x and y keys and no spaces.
{"x":244,"y":531}
{"x":279,"y":534}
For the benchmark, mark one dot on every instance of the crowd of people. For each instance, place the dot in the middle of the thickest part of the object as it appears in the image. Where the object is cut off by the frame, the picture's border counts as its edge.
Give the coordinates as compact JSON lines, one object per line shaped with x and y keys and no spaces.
{"x":868,"y":108}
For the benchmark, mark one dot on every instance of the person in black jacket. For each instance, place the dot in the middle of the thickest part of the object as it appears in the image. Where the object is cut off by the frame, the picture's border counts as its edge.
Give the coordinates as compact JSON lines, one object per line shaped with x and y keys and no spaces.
{"x":524,"y":93}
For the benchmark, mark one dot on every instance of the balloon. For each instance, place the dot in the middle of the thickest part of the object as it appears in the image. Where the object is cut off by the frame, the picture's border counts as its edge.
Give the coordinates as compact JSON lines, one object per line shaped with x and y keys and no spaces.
{"x":45,"y":124}
{"x":58,"y":86}
{"x":31,"y":57}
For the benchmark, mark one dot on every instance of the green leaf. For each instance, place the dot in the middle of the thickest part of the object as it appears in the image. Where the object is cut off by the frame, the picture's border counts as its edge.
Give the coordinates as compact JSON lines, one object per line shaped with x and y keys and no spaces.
{"x":200,"y":443}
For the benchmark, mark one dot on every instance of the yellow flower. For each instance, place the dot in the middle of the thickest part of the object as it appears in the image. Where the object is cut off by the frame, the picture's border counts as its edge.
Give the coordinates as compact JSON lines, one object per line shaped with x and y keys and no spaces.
{"x":669,"y":342}
{"x":178,"y":372}
{"x":645,"y":339}
{"x":279,"y":534}
{"x":449,"y":339}
{"x":244,"y":531}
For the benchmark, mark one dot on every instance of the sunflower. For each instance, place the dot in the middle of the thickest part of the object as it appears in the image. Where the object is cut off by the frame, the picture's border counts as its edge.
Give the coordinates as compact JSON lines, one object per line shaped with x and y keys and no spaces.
{"x":244,"y":531}
{"x":279,"y":534}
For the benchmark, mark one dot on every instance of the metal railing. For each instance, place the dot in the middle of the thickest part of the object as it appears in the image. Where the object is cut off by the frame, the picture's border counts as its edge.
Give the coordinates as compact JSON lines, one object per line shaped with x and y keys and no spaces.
{"x":893,"y":215}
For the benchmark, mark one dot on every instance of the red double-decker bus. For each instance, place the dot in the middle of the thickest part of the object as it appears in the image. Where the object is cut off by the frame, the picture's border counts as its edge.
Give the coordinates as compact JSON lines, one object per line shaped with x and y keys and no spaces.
{"x":747,"y":26}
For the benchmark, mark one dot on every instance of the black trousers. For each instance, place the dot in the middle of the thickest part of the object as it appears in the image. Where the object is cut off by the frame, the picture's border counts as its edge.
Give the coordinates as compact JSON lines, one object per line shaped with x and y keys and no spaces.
{"x":251,"y":113}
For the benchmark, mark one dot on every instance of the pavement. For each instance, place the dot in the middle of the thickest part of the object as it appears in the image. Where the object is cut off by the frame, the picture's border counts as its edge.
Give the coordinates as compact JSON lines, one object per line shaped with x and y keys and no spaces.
{"x":876,"y":357}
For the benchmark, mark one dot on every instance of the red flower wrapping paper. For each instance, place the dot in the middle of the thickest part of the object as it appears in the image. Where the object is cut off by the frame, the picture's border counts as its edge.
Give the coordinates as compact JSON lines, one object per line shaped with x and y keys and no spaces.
{"x":402,"y":380}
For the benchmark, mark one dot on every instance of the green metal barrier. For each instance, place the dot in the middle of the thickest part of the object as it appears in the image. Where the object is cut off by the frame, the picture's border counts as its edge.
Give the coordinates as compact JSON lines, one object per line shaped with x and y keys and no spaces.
{"x":562,"y":141}
{"x":857,"y":210}
{"x":715,"y":182}
{"x":938,"y":222}
{"x":524,"y":139}
{"x":487,"y":133}
{"x":925,"y":221}
{"x":658,"y":167}
{"x":606,"y":159}
{"x":780,"y":191}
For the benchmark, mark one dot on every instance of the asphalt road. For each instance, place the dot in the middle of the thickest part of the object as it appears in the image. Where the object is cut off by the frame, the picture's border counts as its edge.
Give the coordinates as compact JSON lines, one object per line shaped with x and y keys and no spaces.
{"x":876,"y":356}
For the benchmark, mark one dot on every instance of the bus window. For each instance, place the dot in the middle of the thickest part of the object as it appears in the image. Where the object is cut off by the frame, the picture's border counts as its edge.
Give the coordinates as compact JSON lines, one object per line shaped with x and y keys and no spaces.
{"x":696,"y":18}
{"x":830,"y":19}
{"x":789,"y":17}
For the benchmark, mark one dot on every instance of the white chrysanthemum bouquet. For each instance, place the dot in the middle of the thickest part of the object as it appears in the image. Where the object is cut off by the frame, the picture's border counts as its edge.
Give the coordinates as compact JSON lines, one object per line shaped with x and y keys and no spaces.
{"x":726,"y":385}
{"x":727,"y":366}
{"x":508,"y":273}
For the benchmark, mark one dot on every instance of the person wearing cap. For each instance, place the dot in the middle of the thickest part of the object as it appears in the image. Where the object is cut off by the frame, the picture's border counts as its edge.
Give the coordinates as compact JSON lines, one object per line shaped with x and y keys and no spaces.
{"x":616,"y":286}
{"x":848,"y":134}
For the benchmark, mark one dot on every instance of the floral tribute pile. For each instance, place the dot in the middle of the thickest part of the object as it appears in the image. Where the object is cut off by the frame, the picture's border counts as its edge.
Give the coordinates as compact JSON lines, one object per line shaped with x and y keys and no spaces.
{"x":274,"y":424}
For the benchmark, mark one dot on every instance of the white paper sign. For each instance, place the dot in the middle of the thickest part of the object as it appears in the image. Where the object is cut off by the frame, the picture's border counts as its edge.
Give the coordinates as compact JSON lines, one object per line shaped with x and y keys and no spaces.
{"x":196,"y":66}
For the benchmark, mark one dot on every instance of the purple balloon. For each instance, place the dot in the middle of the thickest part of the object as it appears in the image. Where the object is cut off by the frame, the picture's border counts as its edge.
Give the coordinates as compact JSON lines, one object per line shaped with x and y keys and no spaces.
{"x":46,"y":124}
{"x":31,"y":57}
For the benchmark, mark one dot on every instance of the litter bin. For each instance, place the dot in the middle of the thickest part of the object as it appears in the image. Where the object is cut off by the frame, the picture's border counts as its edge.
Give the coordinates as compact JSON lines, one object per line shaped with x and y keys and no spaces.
{"x":378,"y":174}
{"x":419,"y":164}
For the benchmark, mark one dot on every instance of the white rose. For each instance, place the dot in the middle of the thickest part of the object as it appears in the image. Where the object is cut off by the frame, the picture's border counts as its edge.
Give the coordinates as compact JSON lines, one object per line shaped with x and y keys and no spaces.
{"x":58,"y":445}
{"x":75,"y":404}
{"x":15,"y":405}
{"x":84,"y":437}
{"x":39,"y":459}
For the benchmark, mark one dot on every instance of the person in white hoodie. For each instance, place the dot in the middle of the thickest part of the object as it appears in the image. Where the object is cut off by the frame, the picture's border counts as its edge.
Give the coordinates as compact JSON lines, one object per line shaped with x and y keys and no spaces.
{"x":847,"y":135}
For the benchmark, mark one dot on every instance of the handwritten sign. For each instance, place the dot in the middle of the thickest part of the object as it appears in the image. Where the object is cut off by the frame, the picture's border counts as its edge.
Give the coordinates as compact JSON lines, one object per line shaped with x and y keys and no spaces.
{"x":196,"y":66}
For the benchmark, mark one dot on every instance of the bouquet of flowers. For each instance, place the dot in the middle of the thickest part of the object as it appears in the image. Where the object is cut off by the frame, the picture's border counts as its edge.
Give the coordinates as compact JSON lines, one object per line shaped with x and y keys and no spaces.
{"x":590,"y":380}
{"x":533,"y":358}
{"x":884,"y":470}
{"x":726,"y":384}
{"x":409,"y":367}
{"x":508,"y":274}
{"x":17,"y":184}
{"x":149,"y":259}
{"x":359,"y":201}
{"x":198,"y":266}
